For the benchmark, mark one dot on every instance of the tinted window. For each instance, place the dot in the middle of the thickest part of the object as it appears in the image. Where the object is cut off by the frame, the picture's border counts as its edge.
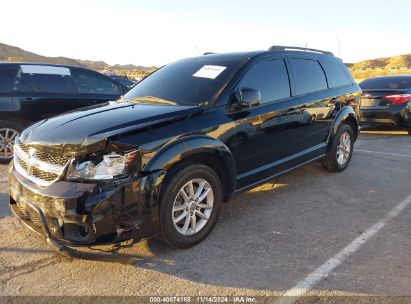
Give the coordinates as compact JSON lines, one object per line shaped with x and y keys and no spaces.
{"x":89,"y":82}
{"x":270,"y":78}
{"x":7,"y":78}
{"x":52,"y":83}
{"x":24,"y":82}
{"x":337,"y":74}
{"x":188,"y":82}
{"x":392,"y":83}
{"x":308,"y":76}
{"x":44,"y":79}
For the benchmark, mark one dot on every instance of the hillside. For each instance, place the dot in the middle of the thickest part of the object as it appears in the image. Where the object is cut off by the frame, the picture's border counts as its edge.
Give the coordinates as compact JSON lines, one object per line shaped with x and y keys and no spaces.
{"x":395,"y":65}
{"x":395,"y":62}
{"x":12,"y":53}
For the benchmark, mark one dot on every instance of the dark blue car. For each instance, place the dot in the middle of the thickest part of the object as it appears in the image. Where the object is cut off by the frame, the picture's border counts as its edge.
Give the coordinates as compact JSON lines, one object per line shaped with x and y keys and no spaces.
{"x":386,"y":101}
{"x":30,"y":92}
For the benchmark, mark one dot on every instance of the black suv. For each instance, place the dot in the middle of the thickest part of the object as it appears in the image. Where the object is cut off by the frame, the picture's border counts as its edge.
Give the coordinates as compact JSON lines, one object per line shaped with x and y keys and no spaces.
{"x":30,"y":92}
{"x":165,"y":157}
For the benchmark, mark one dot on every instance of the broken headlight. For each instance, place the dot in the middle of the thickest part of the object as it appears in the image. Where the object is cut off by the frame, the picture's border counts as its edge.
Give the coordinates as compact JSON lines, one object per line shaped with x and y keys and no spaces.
{"x":105,"y":167}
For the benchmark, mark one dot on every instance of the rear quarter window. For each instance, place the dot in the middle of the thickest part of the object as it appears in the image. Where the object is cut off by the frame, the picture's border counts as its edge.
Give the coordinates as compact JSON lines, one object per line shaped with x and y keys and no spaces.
{"x":8,"y":78}
{"x":308,"y":76}
{"x":337,"y":74}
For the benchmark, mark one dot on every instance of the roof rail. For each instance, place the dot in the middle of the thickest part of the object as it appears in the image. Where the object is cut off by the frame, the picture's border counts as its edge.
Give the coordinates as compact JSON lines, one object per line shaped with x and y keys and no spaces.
{"x":283,"y":48}
{"x":208,"y":53}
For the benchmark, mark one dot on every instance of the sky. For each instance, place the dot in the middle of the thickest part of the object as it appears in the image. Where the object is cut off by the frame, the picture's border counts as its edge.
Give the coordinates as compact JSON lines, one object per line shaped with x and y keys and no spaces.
{"x":158,"y":31}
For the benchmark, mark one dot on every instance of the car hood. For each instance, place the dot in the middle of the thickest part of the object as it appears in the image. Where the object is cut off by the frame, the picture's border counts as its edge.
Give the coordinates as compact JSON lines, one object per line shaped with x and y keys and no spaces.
{"x":87,"y":129}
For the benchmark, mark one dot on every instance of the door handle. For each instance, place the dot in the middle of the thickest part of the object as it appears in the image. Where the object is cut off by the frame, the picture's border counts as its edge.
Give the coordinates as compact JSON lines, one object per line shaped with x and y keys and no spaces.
{"x":28,"y":100}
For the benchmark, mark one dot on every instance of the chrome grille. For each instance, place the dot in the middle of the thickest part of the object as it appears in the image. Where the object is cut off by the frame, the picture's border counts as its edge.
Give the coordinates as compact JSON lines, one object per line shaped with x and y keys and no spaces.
{"x":40,"y":167}
{"x":47,"y":176}
{"x":23,"y":147}
{"x":28,"y":215}
{"x":22,"y":164}
{"x":47,"y":157}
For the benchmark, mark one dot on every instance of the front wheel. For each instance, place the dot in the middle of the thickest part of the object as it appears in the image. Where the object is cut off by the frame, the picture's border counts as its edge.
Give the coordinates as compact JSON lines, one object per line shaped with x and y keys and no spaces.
{"x":8,"y":132}
{"x":341,"y":150}
{"x":190,"y":204}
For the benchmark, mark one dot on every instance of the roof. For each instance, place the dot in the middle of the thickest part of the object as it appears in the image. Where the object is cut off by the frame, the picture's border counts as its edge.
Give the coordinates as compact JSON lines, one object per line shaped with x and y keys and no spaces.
{"x":272,"y":50}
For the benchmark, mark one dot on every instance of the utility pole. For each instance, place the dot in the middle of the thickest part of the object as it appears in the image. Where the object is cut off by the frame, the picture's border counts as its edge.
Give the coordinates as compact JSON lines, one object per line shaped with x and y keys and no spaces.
{"x":339,"y":46}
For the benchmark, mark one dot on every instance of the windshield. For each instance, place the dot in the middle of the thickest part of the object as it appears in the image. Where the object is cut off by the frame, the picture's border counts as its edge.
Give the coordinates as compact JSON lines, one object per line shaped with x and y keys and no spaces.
{"x":391,"y":83}
{"x":188,"y":82}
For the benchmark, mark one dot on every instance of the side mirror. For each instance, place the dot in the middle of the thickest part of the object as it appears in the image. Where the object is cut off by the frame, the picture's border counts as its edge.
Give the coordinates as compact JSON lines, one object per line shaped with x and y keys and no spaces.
{"x":246,"y":98}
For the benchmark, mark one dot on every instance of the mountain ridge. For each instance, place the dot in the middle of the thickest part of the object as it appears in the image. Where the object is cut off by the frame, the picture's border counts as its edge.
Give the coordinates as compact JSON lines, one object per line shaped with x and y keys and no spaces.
{"x":13,"y":54}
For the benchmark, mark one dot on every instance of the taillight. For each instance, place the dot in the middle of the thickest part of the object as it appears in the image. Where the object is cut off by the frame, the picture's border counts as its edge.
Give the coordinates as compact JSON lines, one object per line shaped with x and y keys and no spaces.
{"x":398,"y":99}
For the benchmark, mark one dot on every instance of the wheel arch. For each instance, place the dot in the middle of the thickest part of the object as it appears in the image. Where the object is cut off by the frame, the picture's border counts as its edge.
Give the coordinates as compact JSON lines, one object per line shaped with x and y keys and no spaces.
{"x":14,"y":117}
{"x":346,"y":116}
{"x":198,"y":149}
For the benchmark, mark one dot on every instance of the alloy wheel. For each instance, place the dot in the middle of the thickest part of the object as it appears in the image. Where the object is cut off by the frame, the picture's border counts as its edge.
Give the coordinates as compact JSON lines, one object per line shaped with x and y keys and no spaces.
{"x":344,"y":149}
{"x":193,"y":206}
{"x":7,"y":137}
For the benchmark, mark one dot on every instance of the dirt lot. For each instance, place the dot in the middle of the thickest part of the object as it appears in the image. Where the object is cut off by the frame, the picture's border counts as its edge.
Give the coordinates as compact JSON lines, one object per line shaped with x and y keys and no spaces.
{"x":309,"y":230}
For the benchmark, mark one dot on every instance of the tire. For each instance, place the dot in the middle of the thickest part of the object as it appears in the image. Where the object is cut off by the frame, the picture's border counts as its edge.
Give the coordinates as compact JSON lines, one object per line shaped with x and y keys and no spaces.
{"x":8,"y":132}
{"x":177,"y":180}
{"x":333,"y":161}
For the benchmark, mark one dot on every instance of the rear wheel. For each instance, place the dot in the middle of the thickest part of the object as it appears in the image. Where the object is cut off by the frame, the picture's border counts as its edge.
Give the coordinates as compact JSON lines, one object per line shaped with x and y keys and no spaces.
{"x":341,"y":150}
{"x":190,"y":204}
{"x":9,"y":130}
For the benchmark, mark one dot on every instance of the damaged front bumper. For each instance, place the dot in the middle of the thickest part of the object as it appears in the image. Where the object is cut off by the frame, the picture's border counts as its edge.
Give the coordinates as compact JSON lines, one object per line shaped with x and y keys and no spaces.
{"x":70,"y":214}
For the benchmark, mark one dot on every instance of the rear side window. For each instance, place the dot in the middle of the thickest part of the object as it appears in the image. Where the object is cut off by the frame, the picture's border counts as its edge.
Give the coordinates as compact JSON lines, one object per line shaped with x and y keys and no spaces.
{"x":89,"y":82}
{"x":52,"y":83}
{"x":336,"y":74}
{"x":7,"y":78}
{"x":308,"y":76}
{"x":391,"y":83}
{"x":24,"y":82}
{"x":44,"y":79}
{"x":270,"y":78}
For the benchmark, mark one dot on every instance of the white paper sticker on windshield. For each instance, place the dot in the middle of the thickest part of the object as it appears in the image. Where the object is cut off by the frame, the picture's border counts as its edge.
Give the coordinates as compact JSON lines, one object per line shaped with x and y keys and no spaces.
{"x":209,"y":71}
{"x":45,"y":69}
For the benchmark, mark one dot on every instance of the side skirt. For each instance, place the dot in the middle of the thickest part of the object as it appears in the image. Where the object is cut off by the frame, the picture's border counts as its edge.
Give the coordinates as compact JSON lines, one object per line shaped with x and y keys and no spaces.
{"x":253,"y":185}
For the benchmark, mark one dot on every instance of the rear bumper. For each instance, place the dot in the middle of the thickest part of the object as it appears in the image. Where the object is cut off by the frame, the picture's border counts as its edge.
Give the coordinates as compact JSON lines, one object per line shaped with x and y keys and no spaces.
{"x":397,"y":115}
{"x":80,"y":214}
